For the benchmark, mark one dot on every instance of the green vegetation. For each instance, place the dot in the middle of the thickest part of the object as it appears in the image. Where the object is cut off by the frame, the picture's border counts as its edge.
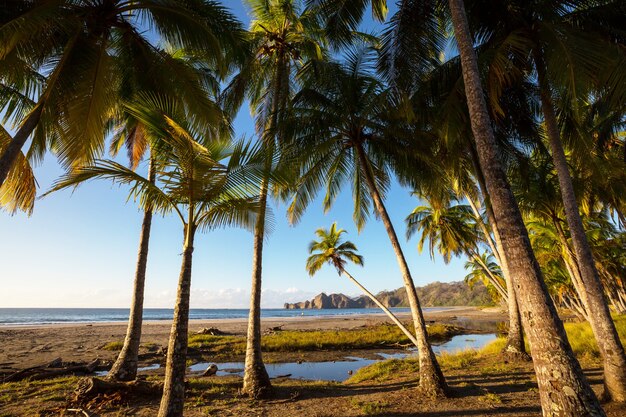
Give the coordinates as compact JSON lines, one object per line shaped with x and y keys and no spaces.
{"x":114,"y":346}
{"x":584,"y":343}
{"x":385,"y":370}
{"x":370,"y":408}
{"x":579,"y":334}
{"x":48,"y":390}
{"x":294,"y":341}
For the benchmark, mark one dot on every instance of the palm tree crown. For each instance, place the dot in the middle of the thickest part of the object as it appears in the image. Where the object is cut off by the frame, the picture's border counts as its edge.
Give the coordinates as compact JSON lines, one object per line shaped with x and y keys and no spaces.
{"x":330,"y":249}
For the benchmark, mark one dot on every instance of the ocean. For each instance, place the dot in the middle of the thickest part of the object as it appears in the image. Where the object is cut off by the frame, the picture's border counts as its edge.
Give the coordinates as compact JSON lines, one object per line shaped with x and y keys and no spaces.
{"x":36,"y":316}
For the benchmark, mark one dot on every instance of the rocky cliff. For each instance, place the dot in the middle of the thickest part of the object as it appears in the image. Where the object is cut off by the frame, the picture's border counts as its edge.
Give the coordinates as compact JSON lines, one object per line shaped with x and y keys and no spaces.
{"x":436,"y":294}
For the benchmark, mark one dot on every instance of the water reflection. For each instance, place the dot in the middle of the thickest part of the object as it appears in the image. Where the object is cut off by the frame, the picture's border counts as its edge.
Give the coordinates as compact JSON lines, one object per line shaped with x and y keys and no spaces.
{"x":341,"y":370}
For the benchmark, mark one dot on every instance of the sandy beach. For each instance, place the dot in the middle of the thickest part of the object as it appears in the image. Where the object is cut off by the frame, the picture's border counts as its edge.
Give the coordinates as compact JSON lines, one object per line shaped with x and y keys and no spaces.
{"x":24,"y":346}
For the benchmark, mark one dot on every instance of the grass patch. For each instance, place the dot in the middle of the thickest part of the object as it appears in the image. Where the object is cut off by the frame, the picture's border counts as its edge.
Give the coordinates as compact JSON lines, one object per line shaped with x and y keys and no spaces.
{"x":48,"y":390}
{"x":458,"y":360}
{"x":385,"y":370}
{"x":295,"y":341}
{"x":370,"y":408}
{"x":583,"y":341}
{"x":114,"y":346}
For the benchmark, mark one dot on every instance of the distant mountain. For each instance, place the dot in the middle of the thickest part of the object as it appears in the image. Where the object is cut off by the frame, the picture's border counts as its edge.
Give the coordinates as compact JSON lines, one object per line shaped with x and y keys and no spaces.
{"x":436,"y":294}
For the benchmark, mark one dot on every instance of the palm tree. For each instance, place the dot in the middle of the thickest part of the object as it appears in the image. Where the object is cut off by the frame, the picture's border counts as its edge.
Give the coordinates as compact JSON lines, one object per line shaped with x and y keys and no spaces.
{"x":484,"y":269}
{"x":339,"y":124}
{"x":452,"y":229}
{"x":551,"y":352}
{"x":131,"y":134}
{"x":87,"y":50}
{"x":283,"y":35}
{"x":206,"y":185}
{"x":18,"y":193}
{"x":568,"y":47}
{"x":330,"y":249}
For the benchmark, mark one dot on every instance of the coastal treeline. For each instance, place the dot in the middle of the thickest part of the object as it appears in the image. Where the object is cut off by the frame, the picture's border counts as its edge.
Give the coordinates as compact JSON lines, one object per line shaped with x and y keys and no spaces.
{"x":504,"y":118}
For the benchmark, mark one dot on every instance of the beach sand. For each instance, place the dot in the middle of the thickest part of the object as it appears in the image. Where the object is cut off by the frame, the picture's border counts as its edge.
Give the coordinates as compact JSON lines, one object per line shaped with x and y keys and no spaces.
{"x":25,"y":346}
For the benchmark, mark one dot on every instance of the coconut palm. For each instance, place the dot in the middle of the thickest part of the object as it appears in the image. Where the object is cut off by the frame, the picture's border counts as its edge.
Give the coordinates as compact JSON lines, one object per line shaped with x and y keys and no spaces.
{"x":19,"y":191}
{"x":567,"y":47}
{"x":332,"y":250}
{"x":131,"y":135}
{"x":283,"y":35}
{"x":339,"y":124}
{"x":453,"y":231}
{"x":551,"y":352}
{"x":206,"y":183}
{"x":86,"y":50}
{"x":483,"y":269}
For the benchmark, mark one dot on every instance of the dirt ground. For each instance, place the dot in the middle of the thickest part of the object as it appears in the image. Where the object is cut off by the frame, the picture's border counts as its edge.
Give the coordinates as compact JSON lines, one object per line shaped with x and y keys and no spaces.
{"x":487,"y":388}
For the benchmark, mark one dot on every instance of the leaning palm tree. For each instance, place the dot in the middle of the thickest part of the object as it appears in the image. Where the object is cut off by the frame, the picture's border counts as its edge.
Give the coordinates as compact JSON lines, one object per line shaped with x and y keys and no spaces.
{"x":450,"y":229}
{"x":554,"y":361}
{"x":87,"y":50}
{"x":341,"y":123}
{"x":330,"y":249}
{"x":206,"y":184}
{"x":283,"y":34}
{"x":484,"y":269}
{"x":566,"y":48}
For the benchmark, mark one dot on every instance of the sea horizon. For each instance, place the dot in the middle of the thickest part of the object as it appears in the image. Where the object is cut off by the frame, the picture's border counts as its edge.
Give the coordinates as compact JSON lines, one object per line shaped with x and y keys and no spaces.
{"x":57,"y":315}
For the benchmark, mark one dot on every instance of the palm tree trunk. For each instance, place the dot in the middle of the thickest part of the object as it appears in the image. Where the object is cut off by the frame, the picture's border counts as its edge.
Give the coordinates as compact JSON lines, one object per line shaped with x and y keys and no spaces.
{"x":256,"y":381}
{"x":173,"y":399}
{"x":601,"y":322}
{"x":392,"y":316}
{"x":432,"y":382}
{"x":125,"y":367}
{"x":10,"y":154}
{"x":563,"y":389}
{"x":515,"y":347}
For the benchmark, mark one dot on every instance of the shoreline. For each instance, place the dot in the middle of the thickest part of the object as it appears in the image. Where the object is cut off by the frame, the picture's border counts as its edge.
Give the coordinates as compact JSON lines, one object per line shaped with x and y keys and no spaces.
{"x":470,"y":310}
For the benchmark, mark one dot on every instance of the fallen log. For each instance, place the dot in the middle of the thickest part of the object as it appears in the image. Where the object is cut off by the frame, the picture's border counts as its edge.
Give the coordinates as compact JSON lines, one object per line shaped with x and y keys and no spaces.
{"x":50,"y":369}
{"x":88,"y":388}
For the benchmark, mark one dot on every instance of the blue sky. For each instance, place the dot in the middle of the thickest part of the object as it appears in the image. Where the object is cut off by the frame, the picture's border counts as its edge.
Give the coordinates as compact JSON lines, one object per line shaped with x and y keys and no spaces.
{"x":78,"y":249}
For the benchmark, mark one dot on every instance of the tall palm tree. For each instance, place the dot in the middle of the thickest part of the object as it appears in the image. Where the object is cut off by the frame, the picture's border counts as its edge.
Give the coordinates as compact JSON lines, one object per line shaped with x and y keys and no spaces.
{"x":551,"y":352}
{"x":339,"y":124}
{"x":330,"y":249}
{"x":86,"y":49}
{"x":283,"y":35}
{"x":132,"y":135}
{"x":206,"y":183}
{"x":567,"y":45}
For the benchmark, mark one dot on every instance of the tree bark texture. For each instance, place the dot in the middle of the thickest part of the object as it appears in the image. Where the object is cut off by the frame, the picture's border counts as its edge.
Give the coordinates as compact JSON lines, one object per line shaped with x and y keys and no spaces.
{"x":515,"y":346}
{"x":609,"y":344}
{"x":563,"y":389}
{"x":256,"y":381}
{"x":173,"y":399}
{"x":432,"y":381}
{"x":125,"y":366}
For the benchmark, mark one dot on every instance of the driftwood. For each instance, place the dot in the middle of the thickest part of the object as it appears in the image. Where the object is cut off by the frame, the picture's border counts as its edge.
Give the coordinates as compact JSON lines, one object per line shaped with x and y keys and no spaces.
{"x":210,"y":371}
{"x":213,"y":331}
{"x":92,"y":387}
{"x":52,"y":369}
{"x":274,"y":330}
